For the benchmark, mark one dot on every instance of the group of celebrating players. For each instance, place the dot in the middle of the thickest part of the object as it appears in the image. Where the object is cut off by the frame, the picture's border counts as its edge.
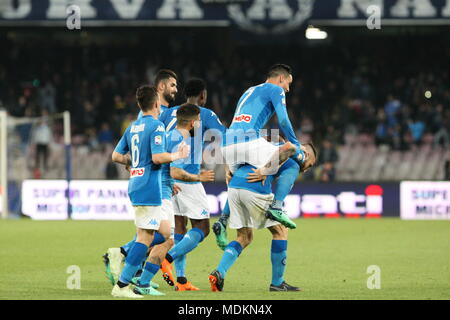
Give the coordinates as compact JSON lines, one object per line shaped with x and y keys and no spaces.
{"x":163,"y":151}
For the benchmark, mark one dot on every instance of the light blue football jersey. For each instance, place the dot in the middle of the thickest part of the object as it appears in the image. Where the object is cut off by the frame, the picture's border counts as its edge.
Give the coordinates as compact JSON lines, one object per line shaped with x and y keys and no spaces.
{"x":254,"y":109}
{"x":143,"y":138}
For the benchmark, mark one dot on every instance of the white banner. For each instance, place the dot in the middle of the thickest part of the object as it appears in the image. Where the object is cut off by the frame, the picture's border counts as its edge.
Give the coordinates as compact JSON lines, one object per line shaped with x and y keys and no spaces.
{"x":90,"y":200}
{"x":425,"y":200}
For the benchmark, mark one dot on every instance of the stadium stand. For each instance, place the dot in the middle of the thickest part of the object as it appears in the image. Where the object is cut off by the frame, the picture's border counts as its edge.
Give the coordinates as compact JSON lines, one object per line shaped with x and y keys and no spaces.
{"x":386,"y":113}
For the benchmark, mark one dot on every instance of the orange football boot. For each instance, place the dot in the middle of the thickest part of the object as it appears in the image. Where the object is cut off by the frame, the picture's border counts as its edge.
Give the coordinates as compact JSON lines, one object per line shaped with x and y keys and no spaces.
{"x":166,"y":270}
{"x":186,"y":287}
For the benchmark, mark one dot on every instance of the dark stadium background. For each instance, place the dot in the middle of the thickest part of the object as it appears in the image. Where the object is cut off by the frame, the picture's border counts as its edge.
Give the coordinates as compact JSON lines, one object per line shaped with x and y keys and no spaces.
{"x":375,"y":102}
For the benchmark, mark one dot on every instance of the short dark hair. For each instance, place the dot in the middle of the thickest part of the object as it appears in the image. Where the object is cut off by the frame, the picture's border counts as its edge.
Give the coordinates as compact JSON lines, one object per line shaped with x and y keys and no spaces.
{"x":310,"y":144}
{"x":146,"y":96}
{"x":194,"y":87}
{"x":164,"y":74}
{"x":187,"y":112}
{"x":279,"y":69}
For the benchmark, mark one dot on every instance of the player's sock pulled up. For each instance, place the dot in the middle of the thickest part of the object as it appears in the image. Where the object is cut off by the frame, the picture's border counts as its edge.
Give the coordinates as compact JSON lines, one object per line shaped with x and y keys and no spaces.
{"x":180,"y":262}
{"x":127,"y":246}
{"x":286,"y":179}
{"x":149,"y":272}
{"x":133,"y":262}
{"x":189,"y":242}
{"x":278,"y":254}
{"x":157,"y":239}
{"x":232,"y":252}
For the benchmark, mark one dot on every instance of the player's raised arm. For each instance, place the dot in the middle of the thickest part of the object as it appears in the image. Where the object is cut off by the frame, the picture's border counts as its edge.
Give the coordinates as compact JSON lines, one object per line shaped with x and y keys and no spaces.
{"x":279,"y":102}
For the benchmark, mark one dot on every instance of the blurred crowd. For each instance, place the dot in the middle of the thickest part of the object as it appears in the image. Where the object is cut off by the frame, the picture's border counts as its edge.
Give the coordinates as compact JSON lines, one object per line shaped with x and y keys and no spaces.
{"x":388,"y":92}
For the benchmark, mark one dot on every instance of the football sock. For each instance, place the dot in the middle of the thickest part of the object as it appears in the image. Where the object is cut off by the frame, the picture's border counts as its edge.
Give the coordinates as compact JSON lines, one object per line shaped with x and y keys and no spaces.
{"x":225,"y":214}
{"x":157,"y":239}
{"x":149,"y":272}
{"x":180,"y":262}
{"x":189,"y":242}
{"x":278,"y":254}
{"x":288,"y":173}
{"x":126,"y":247}
{"x":230,"y":255}
{"x":133,"y":262}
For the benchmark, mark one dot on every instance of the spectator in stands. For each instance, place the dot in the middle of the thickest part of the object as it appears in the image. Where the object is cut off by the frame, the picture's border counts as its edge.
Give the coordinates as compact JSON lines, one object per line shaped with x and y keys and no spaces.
{"x":416,"y":128}
{"x":391,"y":108}
{"x":327,"y":173}
{"x":328,"y":157}
{"x":47,"y":97}
{"x":105,"y":135}
{"x":42,"y":137}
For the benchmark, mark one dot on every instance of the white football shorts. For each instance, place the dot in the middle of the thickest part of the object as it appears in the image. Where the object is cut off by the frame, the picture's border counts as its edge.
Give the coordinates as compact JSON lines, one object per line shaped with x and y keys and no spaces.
{"x":247,"y":209}
{"x":148,"y":217}
{"x":169,"y":214}
{"x":191,"y":201}
{"x":257,"y":153}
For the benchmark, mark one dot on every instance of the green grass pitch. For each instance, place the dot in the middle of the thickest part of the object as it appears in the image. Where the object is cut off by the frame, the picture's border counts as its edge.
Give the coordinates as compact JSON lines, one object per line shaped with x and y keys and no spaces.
{"x":328,"y":258}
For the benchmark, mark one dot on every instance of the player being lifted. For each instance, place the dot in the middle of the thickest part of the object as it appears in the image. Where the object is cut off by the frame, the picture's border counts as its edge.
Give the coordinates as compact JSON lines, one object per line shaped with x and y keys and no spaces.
{"x":146,"y":141}
{"x":243,"y":142}
{"x":248,"y":203}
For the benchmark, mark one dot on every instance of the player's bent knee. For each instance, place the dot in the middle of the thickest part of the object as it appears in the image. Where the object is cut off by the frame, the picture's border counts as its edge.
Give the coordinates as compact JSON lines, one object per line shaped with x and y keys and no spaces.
{"x":245,"y":237}
{"x":164,"y":229}
{"x":144,"y":236}
{"x":279,"y":232}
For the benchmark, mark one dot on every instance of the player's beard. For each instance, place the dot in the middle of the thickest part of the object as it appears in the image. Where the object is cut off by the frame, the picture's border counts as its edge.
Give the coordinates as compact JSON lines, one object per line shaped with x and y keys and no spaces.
{"x":169,"y":97}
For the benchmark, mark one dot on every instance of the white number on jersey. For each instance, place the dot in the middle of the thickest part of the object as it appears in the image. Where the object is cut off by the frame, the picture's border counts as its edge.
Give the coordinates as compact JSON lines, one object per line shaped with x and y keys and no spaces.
{"x":134,"y":150}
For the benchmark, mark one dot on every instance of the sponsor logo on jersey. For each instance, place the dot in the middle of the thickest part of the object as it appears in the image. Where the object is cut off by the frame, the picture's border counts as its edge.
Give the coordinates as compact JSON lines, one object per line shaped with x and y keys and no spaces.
{"x":174,"y":113}
{"x":137,"y":128}
{"x":160,"y":129}
{"x":137,"y":172}
{"x":153,"y":222}
{"x":158,"y":140}
{"x":243,"y":118}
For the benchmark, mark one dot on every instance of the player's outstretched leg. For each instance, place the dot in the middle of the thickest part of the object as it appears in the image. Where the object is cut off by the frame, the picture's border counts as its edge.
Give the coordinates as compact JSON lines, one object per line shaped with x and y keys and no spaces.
{"x":182,"y":283}
{"x":288,"y":174}
{"x":189,"y":242}
{"x":220,"y":227}
{"x":232,"y":252}
{"x":278,"y":256}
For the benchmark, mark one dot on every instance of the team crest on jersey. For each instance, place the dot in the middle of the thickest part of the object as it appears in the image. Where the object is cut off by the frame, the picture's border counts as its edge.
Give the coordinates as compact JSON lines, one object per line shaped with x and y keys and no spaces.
{"x":158,"y":140}
{"x":289,"y":14}
{"x":243,"y":118}
{"x":137,"y":172}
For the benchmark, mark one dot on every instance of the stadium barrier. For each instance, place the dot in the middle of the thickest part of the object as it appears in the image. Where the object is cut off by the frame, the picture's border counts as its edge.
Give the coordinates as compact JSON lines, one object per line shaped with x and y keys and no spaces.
{"x":108,"y":200}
